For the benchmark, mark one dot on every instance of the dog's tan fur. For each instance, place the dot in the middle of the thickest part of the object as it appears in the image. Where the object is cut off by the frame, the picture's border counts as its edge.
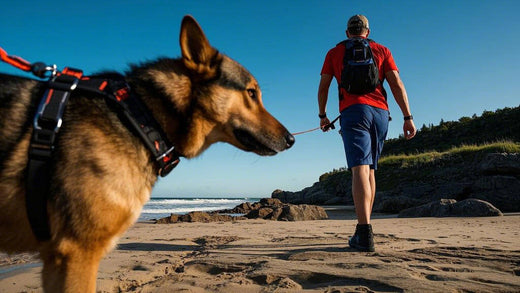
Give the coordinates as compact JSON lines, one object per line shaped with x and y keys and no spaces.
{"x":102,"y":174}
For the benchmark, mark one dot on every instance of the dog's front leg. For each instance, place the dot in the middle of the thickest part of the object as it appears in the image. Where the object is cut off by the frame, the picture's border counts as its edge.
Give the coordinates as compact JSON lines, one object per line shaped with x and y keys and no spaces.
{"x":75,"y":271}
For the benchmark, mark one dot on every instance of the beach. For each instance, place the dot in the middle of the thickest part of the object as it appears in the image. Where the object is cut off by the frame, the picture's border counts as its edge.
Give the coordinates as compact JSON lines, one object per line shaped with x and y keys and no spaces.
{"x":412,"y":255}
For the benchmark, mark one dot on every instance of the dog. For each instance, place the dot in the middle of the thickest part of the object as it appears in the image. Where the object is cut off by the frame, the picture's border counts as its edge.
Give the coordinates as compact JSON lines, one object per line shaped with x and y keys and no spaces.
{"x":103,"y":173}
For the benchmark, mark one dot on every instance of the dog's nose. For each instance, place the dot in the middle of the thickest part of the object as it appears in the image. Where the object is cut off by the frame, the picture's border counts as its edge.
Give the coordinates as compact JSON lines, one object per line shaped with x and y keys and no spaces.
{"x":289,"y":138}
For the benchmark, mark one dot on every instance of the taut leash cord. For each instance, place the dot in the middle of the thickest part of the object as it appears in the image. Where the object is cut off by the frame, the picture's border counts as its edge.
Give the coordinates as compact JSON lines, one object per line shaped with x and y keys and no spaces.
{"x":330,"y":125}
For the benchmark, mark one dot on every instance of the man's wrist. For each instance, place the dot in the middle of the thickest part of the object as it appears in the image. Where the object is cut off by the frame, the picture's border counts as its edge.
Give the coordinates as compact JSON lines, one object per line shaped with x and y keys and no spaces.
{"x":322,"y":116}
{"x":409,"y":117}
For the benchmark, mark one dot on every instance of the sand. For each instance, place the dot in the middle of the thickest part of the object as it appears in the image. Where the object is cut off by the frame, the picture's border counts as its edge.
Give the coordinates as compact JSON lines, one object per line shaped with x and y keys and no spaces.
{"x":412,"y":255}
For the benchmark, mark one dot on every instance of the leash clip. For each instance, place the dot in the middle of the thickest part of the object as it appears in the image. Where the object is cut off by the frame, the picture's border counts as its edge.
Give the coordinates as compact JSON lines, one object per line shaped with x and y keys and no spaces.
{"x":40,"y":69}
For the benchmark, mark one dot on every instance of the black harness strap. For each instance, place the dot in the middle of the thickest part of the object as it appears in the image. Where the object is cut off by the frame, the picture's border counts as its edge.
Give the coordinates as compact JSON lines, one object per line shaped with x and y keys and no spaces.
{"x":47,"y":123}
{"x":117,"y":92}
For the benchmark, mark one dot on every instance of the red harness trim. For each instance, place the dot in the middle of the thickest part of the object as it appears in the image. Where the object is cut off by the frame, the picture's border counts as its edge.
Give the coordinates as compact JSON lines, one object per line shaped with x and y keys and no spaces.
{"x":71,"y":71}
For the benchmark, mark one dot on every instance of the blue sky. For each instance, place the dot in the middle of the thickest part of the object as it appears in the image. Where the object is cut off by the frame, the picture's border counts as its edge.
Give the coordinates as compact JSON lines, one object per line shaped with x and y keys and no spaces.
{"x":456,"y":58}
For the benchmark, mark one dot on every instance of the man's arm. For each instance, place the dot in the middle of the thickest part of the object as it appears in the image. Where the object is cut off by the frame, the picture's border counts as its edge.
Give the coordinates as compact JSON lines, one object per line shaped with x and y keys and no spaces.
{"x":400,"y":96}
{"x":323,"y":95}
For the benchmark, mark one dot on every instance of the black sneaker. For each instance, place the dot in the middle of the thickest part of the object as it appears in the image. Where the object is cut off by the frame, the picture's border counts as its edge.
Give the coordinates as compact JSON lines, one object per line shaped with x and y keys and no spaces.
{"x":363,"y":239}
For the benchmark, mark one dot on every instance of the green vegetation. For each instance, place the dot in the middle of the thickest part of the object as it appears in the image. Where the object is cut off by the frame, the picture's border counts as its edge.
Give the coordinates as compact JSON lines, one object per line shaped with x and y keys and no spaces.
{"x":449,"y":145}
{"x":503,"y":124}
{"x":420,"y":159}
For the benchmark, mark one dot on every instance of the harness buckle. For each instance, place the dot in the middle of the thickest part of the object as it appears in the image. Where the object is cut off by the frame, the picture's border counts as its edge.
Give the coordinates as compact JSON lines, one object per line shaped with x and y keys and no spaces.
{"x":48,"y":119}
{"x":168,"y":167}
{"x":168,"y":161}
{"x":41,"y":146}
{"x":64,"y":82}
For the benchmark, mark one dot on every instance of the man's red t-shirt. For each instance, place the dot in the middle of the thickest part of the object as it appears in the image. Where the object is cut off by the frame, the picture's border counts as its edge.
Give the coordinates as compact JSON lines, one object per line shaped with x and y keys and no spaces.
{"x":334,"y":64}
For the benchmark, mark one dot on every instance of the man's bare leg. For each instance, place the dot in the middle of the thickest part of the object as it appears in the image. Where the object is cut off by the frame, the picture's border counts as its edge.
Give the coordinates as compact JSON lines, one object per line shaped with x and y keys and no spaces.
{"x":363,"y":185}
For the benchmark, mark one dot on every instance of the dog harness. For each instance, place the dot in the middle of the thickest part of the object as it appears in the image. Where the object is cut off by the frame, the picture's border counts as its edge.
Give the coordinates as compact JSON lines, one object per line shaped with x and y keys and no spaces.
{"x":48,"y":121}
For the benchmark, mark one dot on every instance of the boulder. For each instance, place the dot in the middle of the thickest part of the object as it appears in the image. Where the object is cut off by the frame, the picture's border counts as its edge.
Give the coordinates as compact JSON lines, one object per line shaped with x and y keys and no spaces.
{"x":302,"y":213}
{"x":452,"y":208}
{"x":500,"y":190}
{"x":394,"y":204}
{"x":262,"y":213}
{"x":242,"y":208}
{"x":270,"y":202}
{"x":198,"y":217}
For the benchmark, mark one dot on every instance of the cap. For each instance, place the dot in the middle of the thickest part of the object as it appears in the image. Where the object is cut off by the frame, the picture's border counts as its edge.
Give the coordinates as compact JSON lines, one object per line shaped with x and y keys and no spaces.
{"x":358,"y":20}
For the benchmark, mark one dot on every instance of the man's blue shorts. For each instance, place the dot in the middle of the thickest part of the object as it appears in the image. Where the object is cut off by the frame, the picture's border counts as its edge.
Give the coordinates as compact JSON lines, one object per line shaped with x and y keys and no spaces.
{"x":364,"y":130}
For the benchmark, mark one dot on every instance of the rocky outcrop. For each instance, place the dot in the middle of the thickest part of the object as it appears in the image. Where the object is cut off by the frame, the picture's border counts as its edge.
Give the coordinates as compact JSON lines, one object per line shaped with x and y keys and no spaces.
{"x":452,"y":208}
{"x":335,"y":189}
{"x":198,"y":217}
{"x":266,"y":208}
{"x":493,"y":177}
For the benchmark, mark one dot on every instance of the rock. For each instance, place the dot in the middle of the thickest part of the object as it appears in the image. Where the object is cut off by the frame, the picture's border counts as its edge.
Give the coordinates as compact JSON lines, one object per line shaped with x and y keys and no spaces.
{"x":266,"y":208}
{"x":500,"y":190}
{"x":493,"y":177}
{"x":262,"y":213}
{"x":303,"y":213}
{"x":395,"y":204}
{"x":173,"y":218}
{"x":315,"y":194}
{"x":433,"y":209}
{"x":475,"y":208}
{"x":242,"y":208}
{"x":270,"y":202}
{"x":500,"y":164}
{"x":337,"y":201}
{"x":275,"y":215}
{"x":198,"y":217}
{"x":452,"y":208}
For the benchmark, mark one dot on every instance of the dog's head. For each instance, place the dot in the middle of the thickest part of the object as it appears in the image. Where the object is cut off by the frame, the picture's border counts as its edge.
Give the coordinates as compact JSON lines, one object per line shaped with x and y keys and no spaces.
{"x":219,"y":101}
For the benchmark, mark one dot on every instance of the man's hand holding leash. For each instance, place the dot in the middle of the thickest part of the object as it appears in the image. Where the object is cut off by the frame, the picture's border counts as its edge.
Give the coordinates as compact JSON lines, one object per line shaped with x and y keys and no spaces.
{"x":324,"y":122}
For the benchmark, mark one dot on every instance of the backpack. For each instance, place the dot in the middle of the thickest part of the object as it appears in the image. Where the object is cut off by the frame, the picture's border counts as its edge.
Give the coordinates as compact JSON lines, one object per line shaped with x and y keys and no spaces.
{"x":360,"y":74}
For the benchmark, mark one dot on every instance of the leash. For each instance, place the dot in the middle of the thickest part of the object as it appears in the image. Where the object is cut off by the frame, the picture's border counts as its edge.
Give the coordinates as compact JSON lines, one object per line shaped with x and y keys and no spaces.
{"x":39,"y":69}
{"x":325,"y":128}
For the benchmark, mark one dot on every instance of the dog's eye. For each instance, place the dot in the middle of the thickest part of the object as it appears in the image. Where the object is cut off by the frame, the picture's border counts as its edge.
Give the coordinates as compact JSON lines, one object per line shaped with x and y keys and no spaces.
{"x":252,"y":93}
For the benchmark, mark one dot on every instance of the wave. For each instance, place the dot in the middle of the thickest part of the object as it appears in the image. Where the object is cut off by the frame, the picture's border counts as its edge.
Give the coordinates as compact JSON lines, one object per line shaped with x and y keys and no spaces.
{"x":179,"y":210}
{"x":196,"y":201}
{"x":163,"y":207}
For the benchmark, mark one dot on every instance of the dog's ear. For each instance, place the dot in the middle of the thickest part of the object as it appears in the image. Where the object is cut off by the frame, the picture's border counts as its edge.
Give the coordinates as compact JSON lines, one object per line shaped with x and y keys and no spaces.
{"x":197,"y":53}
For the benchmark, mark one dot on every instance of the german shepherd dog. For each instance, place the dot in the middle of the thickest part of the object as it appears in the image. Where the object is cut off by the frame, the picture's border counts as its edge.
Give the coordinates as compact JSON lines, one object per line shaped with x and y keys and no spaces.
{"x":103,"y":173}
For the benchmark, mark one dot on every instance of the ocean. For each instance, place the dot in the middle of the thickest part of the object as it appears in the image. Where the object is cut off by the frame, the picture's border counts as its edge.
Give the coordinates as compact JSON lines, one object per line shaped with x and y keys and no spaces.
{"x":160,"y":207}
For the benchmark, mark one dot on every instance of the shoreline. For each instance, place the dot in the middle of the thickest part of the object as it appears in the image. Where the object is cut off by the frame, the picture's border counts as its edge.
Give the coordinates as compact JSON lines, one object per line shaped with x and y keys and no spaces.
{"x":412,"y":254}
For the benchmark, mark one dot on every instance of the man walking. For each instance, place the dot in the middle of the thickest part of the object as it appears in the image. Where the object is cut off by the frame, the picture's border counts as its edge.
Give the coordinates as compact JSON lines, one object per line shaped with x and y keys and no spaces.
{"x":364,"y":118}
